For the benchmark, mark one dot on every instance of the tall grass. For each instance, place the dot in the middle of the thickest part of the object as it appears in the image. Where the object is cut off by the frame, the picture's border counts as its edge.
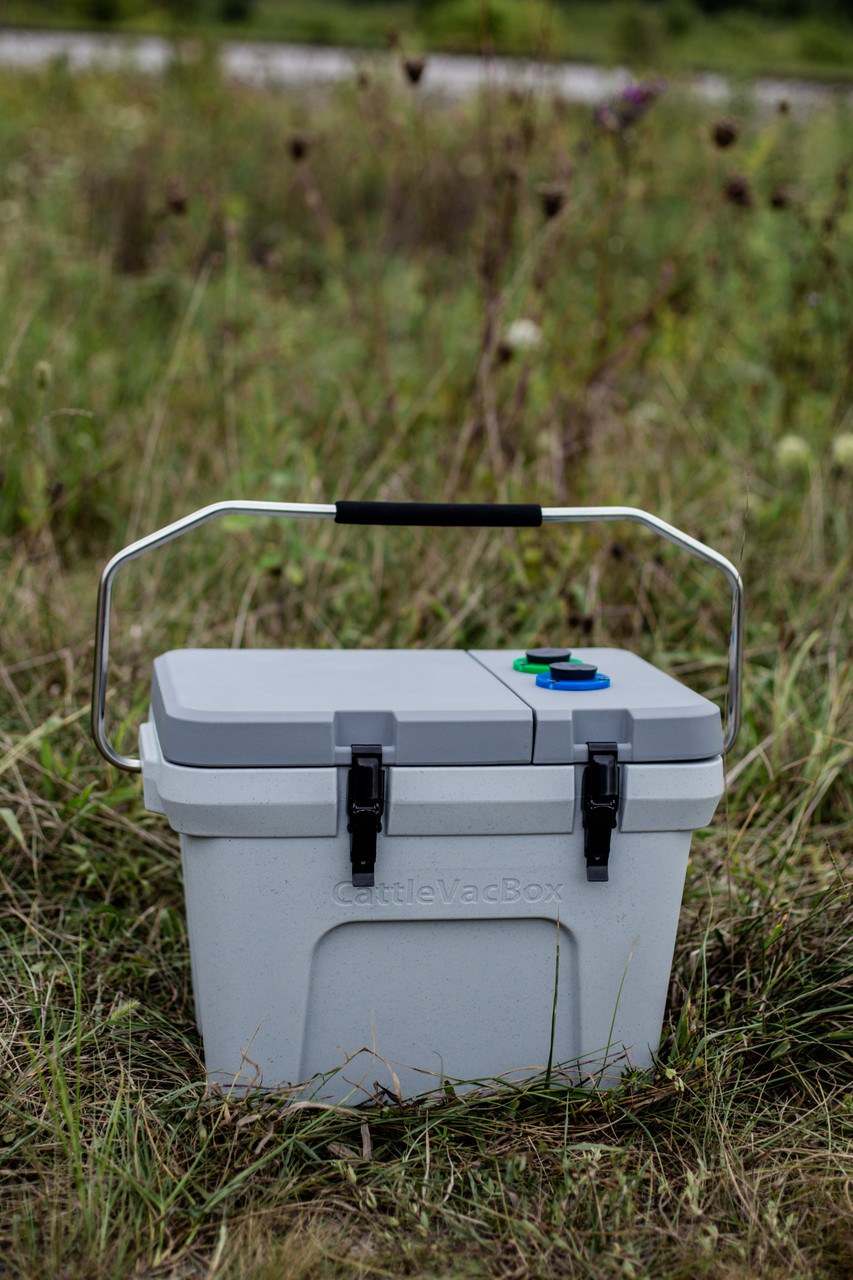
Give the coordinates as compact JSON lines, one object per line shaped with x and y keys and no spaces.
{"x":211,"y":292}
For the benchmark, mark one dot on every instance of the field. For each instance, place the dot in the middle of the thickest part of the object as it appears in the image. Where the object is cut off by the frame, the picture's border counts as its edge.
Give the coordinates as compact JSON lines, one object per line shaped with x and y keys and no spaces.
{"x":208,"y":292}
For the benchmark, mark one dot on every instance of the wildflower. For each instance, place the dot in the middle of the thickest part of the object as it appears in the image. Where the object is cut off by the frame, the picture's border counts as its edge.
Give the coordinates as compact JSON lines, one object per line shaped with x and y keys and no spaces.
{"x":725,"y":131}
{"x":626,"y":108}
{"x":793,"y":454}
{"x":524,"y":335}
{"x":739,"y":192}
{"x":842,"y":452}
{"x":414,"y":69}
{"x":552,"y":197}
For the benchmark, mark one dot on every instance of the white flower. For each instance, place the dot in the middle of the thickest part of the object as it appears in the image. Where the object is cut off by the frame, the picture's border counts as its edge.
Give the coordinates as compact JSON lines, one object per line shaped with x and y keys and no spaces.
{"x":793,"y":454}
{"x":524,"y":335}
{"x":842,"y":451}
{"x":130,"y":118}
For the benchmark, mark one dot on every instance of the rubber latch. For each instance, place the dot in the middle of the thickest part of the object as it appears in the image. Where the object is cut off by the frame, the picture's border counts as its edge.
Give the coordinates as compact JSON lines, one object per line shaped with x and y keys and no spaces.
{"x":599,"y":805}
{"x":365,"y":807}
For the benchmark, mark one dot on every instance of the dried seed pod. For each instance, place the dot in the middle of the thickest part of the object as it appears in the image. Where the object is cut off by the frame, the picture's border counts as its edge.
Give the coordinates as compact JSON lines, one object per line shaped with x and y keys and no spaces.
{"x":414,"y":69}
{"x":177,"y":195}
{"x":552,"y":197}
{"x":738,"y":191}
{"x":298,"y":146}
{"x":725,"y":131}
{"x":783,"y":196}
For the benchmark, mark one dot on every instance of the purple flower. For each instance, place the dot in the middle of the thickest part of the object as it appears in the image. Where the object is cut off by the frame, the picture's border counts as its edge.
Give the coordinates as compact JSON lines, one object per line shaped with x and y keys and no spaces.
{"x":625,"y":109}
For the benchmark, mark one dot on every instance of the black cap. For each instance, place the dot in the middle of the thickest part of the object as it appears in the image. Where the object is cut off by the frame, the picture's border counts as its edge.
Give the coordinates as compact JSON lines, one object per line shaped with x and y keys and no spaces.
{"x":543,"y":657}
{"x":573,"y":671}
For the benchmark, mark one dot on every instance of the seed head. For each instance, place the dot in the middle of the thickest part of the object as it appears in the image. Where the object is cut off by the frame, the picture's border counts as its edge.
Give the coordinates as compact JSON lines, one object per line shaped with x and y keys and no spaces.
{"x":725,"y":131}
{"x":414,"y":69}
{"x":739,"y":192}
{"x":793,"y":454}
{"x":552,"y":197}
{"x":177,"y":195}
{"x":44,"y":374}
{"x":783,"y":196}
{"x":842,"y":452}
{"x":298,"y":146}
{"x":523,"y":335}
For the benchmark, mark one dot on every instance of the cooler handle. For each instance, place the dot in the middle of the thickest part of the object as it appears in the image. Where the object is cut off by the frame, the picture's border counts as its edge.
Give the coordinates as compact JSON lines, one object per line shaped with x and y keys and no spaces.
{"x":482,"y":515}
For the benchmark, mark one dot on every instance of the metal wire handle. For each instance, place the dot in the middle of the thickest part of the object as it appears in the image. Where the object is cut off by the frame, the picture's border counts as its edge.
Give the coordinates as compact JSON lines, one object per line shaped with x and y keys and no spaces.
{"x":423,"y":514}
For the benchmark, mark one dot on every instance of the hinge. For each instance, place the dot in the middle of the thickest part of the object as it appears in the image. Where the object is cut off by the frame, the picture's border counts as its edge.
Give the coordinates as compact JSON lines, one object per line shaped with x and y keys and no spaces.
{"x":365,"y":806}
{"x":599,"y":803}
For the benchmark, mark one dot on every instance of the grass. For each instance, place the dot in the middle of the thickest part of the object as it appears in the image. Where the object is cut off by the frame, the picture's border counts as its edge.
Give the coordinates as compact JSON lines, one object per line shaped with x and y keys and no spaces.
{"x":211,"y":292}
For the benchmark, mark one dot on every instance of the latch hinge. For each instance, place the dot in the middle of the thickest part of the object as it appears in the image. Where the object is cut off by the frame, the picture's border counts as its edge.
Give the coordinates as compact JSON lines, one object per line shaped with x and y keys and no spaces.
{"x":365,"y":806}
{"x":599,"y":803}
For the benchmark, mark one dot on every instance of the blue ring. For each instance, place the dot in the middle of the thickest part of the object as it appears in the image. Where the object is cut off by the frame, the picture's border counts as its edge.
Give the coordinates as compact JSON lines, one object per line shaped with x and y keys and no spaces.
{"x":576,"y":686}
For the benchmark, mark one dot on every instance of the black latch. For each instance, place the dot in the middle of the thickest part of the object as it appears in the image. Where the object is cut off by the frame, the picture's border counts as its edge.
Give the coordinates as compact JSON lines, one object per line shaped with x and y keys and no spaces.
{"x":365,"y":806}
{"x":599,"y":802}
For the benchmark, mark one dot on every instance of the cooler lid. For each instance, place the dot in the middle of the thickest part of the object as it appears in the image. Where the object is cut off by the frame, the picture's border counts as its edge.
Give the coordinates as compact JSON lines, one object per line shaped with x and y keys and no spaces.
{"x":280,"y":707}
{"x":260,"y":708}
{"x":647,"y":713}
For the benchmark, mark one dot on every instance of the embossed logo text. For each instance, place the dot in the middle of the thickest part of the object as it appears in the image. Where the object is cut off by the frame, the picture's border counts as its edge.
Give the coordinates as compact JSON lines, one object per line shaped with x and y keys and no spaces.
{"x":446,"y":893}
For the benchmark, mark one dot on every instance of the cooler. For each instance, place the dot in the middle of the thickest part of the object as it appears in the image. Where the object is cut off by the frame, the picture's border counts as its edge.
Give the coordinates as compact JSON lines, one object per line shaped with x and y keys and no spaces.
{"x":407,"y":868}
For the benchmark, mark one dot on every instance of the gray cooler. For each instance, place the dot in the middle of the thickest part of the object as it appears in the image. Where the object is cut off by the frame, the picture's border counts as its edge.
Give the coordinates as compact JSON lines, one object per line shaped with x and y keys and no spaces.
{"x":408,"y":867}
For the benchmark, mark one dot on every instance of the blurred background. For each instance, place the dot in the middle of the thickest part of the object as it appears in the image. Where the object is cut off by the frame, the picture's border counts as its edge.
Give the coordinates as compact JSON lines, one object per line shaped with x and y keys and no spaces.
{"x":792,"y":37}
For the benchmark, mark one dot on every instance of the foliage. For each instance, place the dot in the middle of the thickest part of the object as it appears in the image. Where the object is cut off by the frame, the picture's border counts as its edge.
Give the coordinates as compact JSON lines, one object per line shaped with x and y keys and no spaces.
{"x":805,"y":38}
{"x":527,"y":29}
{"x":210,"y":292}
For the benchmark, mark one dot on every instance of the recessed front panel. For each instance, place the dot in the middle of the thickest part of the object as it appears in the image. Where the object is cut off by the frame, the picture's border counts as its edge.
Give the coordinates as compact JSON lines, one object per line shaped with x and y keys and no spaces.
{"x":428,"y":999}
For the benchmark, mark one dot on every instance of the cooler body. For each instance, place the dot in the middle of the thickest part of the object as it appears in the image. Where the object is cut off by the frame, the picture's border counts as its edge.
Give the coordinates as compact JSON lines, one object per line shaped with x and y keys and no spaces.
{"x":482,"y":943}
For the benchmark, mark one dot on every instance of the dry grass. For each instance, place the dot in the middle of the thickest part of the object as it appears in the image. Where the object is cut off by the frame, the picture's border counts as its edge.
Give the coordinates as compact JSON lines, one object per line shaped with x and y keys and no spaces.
{"x":195,"y":307}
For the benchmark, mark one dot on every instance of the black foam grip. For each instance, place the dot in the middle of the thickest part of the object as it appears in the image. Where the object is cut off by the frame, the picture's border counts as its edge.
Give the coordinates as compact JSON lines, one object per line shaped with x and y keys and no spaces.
{"x":451,"y":515}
